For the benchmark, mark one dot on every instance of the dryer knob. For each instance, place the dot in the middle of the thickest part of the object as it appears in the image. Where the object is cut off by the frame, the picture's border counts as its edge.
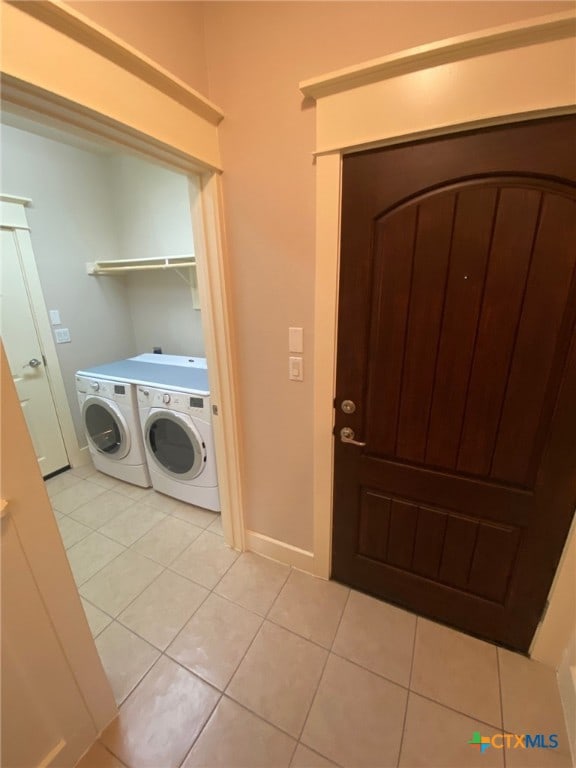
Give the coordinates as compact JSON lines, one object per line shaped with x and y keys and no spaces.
{"x":166,"y":398}
{"x":95,"y":386}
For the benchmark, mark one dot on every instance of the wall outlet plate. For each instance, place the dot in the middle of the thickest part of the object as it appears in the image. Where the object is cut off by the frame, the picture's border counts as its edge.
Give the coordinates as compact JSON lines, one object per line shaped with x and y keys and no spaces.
{"x":62,"y":335}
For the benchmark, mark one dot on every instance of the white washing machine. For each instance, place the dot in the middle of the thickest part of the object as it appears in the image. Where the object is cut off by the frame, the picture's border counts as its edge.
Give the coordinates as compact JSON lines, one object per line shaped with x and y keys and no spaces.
{"x":179,"y":444}
{"x":110,"y":417}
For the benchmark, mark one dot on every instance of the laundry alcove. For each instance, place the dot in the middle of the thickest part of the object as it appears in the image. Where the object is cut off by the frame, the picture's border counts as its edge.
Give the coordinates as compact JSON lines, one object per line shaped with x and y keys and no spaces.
{"x":104,"y":238}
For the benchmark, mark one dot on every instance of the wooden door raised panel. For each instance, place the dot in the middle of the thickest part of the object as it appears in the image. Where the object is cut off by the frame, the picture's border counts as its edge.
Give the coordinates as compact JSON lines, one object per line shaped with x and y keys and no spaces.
{"x":465,"y":325}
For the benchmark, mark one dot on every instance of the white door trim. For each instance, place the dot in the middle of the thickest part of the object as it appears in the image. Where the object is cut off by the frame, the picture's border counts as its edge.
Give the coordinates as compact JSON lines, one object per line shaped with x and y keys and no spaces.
{"x":438,"y":89}
{"x":13,"y":216}
{"x":209,"y":247}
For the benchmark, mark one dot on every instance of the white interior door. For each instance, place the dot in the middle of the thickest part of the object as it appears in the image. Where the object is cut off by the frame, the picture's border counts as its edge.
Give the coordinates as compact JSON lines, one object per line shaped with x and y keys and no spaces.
{"x":25,"y":358}
{"x":44,"y":717}
{"x":54,"y":694}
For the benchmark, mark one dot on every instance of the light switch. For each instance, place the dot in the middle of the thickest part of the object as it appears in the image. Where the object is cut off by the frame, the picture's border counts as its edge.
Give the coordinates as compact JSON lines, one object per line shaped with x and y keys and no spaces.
{"x":62,"y":335}
{"x":296,"y":369}
{"x":295,"y":340}
{"x":55,"y":317}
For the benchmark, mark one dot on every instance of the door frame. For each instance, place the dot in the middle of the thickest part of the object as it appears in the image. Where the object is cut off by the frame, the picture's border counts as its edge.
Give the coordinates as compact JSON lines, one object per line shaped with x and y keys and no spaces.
{"x":437,"y":89}
{"x":166,"y":122}
{"x":13,"y":218}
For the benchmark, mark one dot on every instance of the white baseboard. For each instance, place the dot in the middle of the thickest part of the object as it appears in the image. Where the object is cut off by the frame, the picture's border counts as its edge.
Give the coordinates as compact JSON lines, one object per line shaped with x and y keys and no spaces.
{"x":567,"y":688}
{"x":279,"y":550}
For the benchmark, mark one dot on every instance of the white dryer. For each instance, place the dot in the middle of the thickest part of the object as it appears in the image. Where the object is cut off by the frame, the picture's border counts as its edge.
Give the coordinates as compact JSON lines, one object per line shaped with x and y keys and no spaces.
{"x":179,"y":444}
{"x":110,"y":418}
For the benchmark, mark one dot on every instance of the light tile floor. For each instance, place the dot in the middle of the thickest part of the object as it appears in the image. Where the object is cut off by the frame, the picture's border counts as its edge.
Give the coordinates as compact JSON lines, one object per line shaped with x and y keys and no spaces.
{"x":234,"y":661}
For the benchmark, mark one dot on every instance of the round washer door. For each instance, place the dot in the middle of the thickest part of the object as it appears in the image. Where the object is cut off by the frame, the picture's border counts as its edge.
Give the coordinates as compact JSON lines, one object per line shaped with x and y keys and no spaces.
{"x":106,"y":428}
{"x":175,"y":445}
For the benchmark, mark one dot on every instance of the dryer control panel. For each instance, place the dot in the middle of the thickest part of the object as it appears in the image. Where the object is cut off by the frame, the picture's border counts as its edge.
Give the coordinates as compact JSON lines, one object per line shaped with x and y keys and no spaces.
{"x":183,"y":402}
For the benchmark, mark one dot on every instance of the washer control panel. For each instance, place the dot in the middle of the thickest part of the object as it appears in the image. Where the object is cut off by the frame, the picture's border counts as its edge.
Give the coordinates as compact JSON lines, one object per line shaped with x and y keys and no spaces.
{"x":111,"y":390}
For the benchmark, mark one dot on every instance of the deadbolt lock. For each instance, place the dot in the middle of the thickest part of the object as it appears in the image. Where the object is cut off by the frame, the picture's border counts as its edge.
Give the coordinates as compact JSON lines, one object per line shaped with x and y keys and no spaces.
{"x":348,"y":406}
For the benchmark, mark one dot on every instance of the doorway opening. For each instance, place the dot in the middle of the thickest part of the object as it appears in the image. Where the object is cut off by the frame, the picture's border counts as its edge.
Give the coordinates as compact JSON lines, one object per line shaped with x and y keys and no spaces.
{"x":92,"y":205}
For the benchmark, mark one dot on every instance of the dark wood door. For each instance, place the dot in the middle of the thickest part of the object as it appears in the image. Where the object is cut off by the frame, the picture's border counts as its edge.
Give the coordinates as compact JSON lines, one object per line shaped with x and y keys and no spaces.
{"x":456,"y":344}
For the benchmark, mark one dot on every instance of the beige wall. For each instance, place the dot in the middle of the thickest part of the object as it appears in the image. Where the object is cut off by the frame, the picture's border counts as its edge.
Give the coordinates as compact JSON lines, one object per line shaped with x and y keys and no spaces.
{"x":72,"y":221}
{"x":170,"y":33}
{"x":256,"y":53}
{"x":552,"y":636}
{"x":153,"y":217}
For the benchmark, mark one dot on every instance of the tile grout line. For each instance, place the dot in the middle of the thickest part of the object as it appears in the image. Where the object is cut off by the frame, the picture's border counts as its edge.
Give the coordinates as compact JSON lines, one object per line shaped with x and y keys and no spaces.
{"x":456,"y":711}
{"x":160,"y":650}
{"x":182,"y":628}
{"x":263,"y":619}
{"x":78,"y":586}
{"x":232,"y":602}
{"x":408,"y":693}
{"x":201,"y":731}
{"x":103,"y":489}
{"x":90,"y":501}
{"x":121,"y":512}
{"x":212,"y":588}
{"x":236,"y":668}
{"x":383,"y":677}
{"x":164,"y":569}
{"x":239,"y":605}
{"x":149,"y":557}
{"x":129,"y":548}
{"x":106,"y":536}
{"x":197,"y":677}
{"x":290,"y":569}
{"x":174,"y":661}
{"x":126,"y":549}
{"x":223,"y":692}
{"x":111,"y":753}
{"x":313,"y":699}
{"x":504,"y":761}
{"x":261,"y":717}
{"x":304,"y":637}
{"x":368,"y":669}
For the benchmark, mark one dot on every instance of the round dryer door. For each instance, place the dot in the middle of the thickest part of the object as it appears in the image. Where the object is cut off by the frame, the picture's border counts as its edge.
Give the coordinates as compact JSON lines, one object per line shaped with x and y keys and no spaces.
{"x":105,"y":428}
{"x":175,"y":445}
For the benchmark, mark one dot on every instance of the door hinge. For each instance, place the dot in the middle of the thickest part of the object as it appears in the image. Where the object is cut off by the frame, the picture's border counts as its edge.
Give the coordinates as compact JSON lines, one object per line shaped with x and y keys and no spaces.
{"x":545,"y":611}
{"x":44,"y":361}
{"x":214,"y":410}
{"x":334,"y":403}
